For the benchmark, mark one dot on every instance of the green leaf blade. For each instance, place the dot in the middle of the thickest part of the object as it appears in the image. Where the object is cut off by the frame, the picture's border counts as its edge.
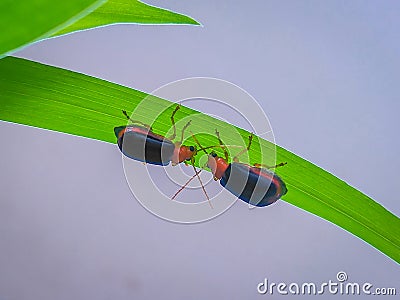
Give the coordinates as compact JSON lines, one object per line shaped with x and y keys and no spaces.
{"x":321,"y":193}
{"x":24,"y":21}
{"x":121,"y":11}
{"x":56,"y":99}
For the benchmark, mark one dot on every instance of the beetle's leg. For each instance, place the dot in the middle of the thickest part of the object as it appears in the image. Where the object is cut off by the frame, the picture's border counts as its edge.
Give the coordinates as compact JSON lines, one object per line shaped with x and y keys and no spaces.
{"x":134,"y":121}
{"x":183,"y":131}
{"x":236,"y":157}
{"x":221,"y":143}
{"x":270,"y":167}
{"x":172,"y":137}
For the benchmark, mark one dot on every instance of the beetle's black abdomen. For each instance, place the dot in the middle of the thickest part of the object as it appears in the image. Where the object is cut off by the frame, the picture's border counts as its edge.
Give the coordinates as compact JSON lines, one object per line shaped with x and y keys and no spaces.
{"x":142,"y":145}
{"x":258,"y":189}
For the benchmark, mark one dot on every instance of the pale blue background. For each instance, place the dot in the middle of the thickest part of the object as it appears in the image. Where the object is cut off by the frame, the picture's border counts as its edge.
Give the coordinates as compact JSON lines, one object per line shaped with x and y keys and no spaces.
{"x":327,"y":75}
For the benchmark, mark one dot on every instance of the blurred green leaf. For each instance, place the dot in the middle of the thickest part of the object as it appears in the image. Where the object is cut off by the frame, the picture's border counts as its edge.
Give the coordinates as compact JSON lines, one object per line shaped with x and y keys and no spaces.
{"x":23,"y":22}
{"x":26,"y":21}
{"x":47,"y":97}
{"x":124,"y":11}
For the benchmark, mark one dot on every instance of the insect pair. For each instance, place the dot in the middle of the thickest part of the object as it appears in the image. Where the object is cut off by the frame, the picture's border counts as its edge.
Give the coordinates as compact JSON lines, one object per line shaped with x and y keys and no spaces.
{"x":256,"y":184}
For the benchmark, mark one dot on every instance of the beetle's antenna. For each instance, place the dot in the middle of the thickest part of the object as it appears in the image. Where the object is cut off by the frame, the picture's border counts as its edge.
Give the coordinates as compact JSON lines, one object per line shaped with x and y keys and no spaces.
{"x":201,"y":182}
{"x":190,"y":180}
{"x":222,"y":146}
{"x":198,"y":143}
{"x":185,"y":185}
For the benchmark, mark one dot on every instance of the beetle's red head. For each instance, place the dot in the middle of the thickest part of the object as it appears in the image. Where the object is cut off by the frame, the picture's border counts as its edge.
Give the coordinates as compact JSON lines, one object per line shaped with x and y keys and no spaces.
{"x":187,"y":153}
{"x":183,"y":153}
{"x":217,"y":164}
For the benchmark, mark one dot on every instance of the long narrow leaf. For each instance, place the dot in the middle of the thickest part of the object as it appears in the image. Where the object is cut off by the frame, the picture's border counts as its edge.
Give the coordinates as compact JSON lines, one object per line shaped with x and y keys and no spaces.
{"x":25,"y":21}
{"x":126,"y":11}
{"x":47,"y":97}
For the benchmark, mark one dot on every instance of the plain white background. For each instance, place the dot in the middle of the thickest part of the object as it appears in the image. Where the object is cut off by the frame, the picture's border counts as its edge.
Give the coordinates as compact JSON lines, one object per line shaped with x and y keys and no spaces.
{"x":326,"y":73}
